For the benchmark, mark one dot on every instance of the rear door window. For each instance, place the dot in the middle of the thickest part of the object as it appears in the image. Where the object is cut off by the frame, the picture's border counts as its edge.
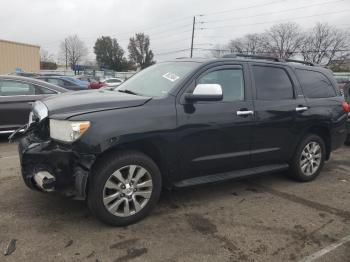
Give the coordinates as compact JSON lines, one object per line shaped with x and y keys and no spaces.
{"x":14,"y":88}
{"x":272,"y":83}
{"x":56,"y":81}
{"x":315,"y":84}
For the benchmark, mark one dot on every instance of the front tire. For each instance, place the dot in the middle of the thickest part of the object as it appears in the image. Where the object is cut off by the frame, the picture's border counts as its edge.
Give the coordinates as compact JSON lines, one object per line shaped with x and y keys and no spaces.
{"x":124,"y":188}
{"x":308,"y":159}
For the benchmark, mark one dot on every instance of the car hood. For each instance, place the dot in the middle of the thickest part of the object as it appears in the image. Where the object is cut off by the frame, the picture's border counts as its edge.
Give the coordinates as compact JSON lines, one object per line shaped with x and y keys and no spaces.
{"x":70,"y":104}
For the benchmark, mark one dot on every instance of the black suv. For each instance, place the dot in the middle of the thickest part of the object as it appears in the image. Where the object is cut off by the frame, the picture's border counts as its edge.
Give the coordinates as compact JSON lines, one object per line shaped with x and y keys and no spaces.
{"x":182,"y":123}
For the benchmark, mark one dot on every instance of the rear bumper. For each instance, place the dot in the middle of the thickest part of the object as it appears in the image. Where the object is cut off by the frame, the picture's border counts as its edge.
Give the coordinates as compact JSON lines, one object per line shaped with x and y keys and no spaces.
{"x":70,"y":169}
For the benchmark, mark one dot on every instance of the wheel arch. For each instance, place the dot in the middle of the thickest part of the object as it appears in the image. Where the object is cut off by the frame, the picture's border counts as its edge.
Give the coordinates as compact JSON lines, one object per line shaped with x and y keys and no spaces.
{"x":324,"y":133}
{"x":146,"y":147}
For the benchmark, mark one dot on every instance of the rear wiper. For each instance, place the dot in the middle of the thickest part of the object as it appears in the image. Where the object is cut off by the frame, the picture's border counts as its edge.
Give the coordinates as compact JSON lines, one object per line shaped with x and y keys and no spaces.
{"x":128,"y":92}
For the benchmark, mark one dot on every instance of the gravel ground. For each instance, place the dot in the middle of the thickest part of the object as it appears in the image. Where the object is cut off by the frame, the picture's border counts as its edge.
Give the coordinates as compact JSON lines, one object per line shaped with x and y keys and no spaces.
{"x":260,"y":218}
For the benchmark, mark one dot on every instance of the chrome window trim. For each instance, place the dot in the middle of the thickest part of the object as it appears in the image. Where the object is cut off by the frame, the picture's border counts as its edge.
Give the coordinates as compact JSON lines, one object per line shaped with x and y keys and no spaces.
{"x":7,"y":131}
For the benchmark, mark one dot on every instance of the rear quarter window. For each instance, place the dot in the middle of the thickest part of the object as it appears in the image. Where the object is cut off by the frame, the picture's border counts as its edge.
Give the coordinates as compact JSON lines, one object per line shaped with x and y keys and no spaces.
{"x":315,"y":84}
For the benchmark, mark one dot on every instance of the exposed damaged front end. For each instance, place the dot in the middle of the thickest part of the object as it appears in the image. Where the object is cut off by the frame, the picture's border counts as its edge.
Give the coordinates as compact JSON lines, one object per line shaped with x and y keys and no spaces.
{"x":48,"y":165}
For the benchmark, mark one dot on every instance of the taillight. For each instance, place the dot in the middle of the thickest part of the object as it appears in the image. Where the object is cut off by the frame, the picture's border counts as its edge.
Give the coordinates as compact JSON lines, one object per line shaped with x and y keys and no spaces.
{"x":346,"y":107}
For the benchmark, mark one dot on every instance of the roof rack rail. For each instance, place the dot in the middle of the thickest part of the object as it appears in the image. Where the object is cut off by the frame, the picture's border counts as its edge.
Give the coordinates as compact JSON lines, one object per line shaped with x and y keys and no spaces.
{"x":275,"y":59}
{"x":299,"y":61}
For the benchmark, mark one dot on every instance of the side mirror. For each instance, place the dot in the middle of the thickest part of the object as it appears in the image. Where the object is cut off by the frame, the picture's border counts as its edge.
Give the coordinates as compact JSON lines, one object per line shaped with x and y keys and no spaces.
{"x":205,"y":92}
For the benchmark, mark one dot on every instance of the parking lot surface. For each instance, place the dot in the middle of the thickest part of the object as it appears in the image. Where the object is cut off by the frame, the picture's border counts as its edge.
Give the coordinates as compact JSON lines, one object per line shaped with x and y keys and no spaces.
{"x":260,"y":218}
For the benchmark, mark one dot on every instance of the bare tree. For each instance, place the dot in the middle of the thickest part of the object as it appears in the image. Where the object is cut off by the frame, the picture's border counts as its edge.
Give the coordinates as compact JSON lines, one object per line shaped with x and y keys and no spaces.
{"x":250,"y":44}
{"x":283,"y":40}
{"x":324,"y":44}
{"x":45,"y":56}
{"x":46,"y":60}
{"x":73,"y":50}
{"x":218,"y":51}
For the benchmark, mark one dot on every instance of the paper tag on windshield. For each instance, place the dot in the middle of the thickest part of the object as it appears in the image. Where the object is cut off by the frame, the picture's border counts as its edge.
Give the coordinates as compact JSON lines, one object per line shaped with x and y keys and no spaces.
{"x":171,"y":76}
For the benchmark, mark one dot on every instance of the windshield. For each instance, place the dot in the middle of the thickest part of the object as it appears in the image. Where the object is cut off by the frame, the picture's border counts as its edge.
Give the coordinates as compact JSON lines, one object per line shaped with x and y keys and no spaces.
{"x":159,"y":79}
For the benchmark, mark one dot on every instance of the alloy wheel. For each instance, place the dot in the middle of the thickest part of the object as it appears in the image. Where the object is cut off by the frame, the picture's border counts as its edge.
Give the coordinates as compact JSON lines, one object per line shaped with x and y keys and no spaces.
{"x":310,"y":159}
{"x":127,"y":190}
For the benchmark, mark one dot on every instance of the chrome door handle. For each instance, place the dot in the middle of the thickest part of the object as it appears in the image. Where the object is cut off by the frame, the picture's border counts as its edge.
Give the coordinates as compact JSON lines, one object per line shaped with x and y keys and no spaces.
{"x":301,"y":108}
{"x":245,"y":113}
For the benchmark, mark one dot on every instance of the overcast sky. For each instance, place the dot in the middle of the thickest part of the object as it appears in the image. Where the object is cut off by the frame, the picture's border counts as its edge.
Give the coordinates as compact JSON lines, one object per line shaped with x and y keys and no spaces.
{"x":168,"y":23}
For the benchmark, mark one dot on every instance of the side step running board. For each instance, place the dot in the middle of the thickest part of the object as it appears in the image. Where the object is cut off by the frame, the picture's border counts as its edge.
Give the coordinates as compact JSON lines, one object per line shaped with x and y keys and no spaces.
{"x":231,"y":175}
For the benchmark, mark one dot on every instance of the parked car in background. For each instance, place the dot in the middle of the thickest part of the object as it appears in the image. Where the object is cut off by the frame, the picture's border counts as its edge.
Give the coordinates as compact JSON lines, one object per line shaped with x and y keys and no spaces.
{"x":51,"y":74}
{"x":16,"y":97}
{"x":347,"y":142}
{"x":25,"y":74}
{"x":346,"y":92}
{"x":96,"y":84}
{"x":112,"y":82}
{"x":86,"y":78}
{"x":183,"y":123}
{"x":67,"y":82}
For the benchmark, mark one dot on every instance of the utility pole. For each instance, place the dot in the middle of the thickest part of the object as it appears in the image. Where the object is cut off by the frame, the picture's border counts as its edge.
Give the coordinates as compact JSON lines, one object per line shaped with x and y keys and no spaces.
{"x":65,"y":47}
{"x":193,"y":28}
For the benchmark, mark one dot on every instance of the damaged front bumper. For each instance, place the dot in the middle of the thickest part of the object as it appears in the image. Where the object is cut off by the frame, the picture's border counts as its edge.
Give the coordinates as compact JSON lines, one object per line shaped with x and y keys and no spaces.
{"x":47,"y":165}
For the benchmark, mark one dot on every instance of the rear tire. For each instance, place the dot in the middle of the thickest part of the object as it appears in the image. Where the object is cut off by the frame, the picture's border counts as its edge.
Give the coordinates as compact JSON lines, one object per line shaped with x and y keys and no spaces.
{"x":308,"y":159}
{"x":124,"y":188}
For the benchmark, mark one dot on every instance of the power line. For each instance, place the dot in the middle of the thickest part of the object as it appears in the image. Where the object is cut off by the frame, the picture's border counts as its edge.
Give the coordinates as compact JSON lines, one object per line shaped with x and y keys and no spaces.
{"x":270,"y":13}
{"x":277,"y":21}
{"x":172,"y":52}
{"x":170,"y":31}
{"x":166,"y":24}
{"x":242,"y":8}
{"x":266,"y":52}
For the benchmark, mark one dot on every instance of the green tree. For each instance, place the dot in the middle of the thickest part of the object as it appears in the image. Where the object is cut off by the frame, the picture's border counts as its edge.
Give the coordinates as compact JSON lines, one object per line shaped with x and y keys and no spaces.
{"x":109,"y":54}
{"x":139,"y":50}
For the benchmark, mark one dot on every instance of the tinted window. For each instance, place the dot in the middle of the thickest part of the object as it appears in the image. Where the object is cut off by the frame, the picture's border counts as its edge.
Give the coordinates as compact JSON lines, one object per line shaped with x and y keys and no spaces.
{"x":14,"y":88}
{"x":315,"y":84}
{"x":230,"y":80}
{"x":272,"y":83}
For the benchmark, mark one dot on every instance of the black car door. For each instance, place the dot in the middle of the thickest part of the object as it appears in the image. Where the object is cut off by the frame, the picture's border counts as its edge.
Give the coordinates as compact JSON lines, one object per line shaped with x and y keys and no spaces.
{"x":279,"y":109}
{"x":16,"y":98}
{"x":213,"y":137}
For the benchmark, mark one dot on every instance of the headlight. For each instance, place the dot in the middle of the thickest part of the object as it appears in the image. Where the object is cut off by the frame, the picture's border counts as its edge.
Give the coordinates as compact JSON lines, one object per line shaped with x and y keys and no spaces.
{"x":67,"y":131}
{"x":40,"y":110}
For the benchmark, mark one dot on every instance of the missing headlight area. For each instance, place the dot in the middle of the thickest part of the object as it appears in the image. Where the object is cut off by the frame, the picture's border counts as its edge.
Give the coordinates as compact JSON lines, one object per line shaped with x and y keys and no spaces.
{"x":48,"y":166}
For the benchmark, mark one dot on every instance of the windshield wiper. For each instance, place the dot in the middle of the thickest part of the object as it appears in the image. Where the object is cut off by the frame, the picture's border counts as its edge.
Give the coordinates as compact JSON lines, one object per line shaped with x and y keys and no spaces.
{"x":128,"y":92}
